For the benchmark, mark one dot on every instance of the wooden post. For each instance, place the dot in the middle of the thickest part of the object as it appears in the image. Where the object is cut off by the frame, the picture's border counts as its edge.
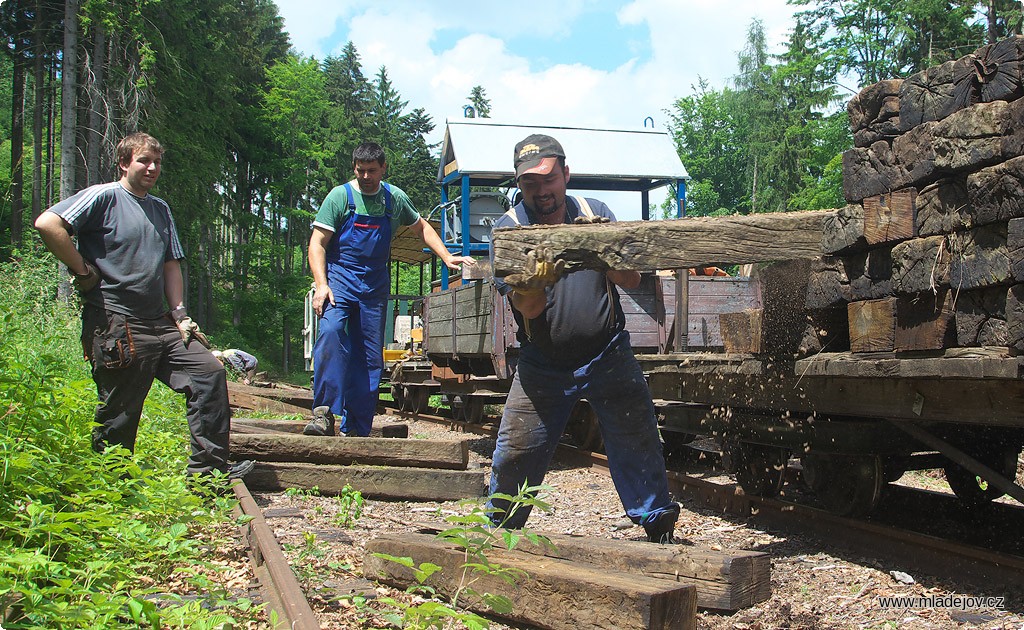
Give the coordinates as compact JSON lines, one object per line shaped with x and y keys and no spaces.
{"x":681,"y":341}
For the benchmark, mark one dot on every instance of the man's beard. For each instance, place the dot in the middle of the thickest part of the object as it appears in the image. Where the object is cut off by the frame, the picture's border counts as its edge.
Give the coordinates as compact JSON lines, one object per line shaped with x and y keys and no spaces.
{"x":551,"y":209}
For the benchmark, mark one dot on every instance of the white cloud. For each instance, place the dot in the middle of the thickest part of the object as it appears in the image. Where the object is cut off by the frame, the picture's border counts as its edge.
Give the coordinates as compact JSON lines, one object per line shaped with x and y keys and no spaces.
{"x":687,"y":39}
{"x":310,"y":23}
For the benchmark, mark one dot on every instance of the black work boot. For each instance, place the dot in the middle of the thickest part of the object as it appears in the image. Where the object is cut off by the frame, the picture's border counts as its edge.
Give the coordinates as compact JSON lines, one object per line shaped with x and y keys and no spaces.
{"x":240,"y":469}
{"x":660,"y":528}
{"x":322,"y":422}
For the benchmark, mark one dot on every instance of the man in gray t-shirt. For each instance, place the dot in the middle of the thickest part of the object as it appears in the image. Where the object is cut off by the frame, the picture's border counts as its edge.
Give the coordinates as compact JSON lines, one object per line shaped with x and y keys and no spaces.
{"x":135,"y":327}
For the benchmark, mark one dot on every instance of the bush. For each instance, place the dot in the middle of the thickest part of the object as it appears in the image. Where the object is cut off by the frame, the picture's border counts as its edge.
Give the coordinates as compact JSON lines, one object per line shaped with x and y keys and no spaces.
{"x":86,"y":539}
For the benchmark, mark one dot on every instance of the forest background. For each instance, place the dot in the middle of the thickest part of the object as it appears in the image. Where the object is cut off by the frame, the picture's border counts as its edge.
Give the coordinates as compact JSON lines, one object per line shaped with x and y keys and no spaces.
{"x":258,"y":134}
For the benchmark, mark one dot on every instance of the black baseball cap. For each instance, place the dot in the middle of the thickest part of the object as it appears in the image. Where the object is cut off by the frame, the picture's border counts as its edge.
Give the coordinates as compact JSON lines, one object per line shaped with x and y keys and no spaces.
{"x":537,"y":153}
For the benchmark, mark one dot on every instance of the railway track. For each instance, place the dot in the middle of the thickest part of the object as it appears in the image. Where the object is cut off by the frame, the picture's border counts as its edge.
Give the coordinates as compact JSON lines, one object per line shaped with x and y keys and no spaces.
{"x":887,"y":542}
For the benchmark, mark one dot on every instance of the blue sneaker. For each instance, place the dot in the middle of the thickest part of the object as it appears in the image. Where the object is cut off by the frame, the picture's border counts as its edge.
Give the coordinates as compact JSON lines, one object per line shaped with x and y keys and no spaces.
{"x":661,"y":527}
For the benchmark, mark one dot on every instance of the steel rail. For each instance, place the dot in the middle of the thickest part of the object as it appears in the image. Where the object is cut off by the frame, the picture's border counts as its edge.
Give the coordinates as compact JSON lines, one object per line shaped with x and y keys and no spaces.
{"x":280,"y":587}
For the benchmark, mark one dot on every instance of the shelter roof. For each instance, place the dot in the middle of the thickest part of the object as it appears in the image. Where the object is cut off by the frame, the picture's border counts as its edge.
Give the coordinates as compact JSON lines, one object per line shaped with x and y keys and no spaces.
{"x":598,"y":159}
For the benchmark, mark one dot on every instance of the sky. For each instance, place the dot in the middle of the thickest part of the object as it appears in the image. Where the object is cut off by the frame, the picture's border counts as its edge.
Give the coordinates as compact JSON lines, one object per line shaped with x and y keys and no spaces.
{"x":588,"y":63}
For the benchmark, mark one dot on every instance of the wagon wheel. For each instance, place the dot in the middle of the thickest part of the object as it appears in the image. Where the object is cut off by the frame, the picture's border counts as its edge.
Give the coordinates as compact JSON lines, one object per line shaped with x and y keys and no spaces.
{"x":848,"y":485}
{"x":420,"y":399}
{"x":406,"y":396}
{"x":973,"y":491}
{"x":473,"y":409}
{"x":455,"y":405}
{"x":760,"y":470}
{"x":398,"y":395}
{"x":582,"y":428}
{"x":675,"y":442}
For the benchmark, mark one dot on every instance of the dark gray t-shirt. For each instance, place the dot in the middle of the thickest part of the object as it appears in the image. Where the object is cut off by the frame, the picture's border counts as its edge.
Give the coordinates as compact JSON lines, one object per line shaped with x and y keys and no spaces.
{"x":128,"y":239}
{"x":583,"y":312}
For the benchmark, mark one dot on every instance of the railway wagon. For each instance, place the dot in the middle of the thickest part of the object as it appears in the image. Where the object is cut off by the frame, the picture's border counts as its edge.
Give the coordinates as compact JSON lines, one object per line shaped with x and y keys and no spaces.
{"x":853,"y":423}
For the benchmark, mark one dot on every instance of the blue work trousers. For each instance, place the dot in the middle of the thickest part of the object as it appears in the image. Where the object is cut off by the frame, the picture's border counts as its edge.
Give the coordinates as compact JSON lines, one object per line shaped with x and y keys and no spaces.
{"x":537,"y":410}
{"x":347,"y":361}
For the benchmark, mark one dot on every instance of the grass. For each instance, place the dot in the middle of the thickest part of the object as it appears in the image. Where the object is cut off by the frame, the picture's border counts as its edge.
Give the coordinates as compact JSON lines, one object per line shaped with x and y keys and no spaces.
{"x":91,"y":540}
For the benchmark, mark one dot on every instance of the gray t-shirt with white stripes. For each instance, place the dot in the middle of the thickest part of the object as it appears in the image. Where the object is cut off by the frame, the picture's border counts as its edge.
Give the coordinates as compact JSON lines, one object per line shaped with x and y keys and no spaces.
{"x":128,"y":239}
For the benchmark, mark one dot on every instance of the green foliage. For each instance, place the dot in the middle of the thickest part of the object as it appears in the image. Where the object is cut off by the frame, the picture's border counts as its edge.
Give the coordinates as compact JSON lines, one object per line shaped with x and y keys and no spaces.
{"x":886,"y":39}
{"x":6,"y":78}
{"x":85,"y":536}
{"x":707,"y":135}
{"x":350,"y":507}
{"x":293,"y":493}
{"x":475,"y":533}
{"x":765,"y":146}
{"x":822,"y":183}
{"x":481,"y":104}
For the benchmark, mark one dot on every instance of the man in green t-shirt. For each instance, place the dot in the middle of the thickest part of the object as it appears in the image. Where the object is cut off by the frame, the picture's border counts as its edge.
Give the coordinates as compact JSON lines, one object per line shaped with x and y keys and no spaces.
{"x":348,"y":255}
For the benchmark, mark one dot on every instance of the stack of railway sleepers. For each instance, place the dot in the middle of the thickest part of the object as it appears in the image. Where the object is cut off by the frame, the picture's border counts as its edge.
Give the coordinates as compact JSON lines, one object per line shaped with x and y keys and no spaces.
{"x":588,"y":582}
{"x":379,"y":467}
{"x":929,"y":253}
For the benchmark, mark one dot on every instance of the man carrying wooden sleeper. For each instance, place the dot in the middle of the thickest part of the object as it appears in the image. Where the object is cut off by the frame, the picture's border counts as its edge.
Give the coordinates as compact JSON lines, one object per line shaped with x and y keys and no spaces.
{"x":573,"y":345}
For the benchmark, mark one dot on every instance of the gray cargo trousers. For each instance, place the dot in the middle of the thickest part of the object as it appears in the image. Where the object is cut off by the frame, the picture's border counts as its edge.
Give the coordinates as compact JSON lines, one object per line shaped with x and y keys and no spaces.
{"x":127,"y":354}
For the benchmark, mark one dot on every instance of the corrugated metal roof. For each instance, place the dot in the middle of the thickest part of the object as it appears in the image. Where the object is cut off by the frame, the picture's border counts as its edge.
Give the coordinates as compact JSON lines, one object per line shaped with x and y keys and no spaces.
{"x":482,"y":148}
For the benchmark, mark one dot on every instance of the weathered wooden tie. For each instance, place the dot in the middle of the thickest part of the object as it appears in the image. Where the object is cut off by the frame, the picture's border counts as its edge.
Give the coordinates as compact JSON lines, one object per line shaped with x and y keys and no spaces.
{"x":725,"y":580}
{"x":270,"y":425}
{"x":671,"y":244}
{"x":555,"y":593}
{"x":246,"y":400}
{"x":378,"y":482}
{"x":267,"y":425}
{"x":298,"y":396}
{"x":370,"y":451}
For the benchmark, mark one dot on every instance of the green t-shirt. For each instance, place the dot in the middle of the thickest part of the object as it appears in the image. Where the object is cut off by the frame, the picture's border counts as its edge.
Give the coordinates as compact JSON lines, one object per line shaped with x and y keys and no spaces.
{"x":334,"y":210}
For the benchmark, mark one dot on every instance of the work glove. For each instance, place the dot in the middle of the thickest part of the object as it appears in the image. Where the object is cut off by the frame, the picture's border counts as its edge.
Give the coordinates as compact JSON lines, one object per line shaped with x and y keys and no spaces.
{"x":85,"y":282}
{"x":542,"y":271}
{"x":190,"y":330}
{"x":582,"y":220}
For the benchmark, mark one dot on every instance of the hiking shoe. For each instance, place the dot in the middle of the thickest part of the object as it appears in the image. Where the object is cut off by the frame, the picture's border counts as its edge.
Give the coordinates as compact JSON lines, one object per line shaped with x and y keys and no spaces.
{"x":660,"y":528}
{"x":322,"y":422}
{"x":241,"y":469}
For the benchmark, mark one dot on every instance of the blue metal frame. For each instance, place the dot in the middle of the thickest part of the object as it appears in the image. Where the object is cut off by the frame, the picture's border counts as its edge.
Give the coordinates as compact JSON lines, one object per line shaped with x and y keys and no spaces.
{"x":680,"y":198}
{"x":465,"y":247}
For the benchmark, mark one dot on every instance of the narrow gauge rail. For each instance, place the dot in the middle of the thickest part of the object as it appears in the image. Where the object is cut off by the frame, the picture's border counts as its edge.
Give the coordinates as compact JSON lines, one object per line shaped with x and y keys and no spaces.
{"x":278,"y":584}
{"x":921,"y":551}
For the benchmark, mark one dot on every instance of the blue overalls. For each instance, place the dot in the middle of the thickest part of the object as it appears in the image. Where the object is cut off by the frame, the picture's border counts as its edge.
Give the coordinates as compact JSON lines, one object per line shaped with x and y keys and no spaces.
{"x":347,"y":355}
